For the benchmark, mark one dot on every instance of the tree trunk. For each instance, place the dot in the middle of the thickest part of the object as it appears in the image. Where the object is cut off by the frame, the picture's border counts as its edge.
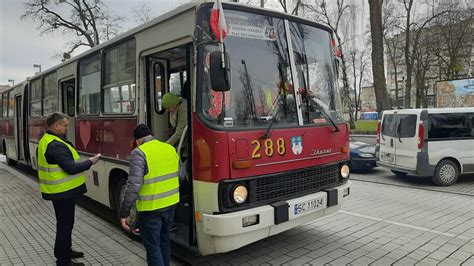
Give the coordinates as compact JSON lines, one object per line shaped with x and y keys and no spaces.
{"x":345,"y":82}
{"x":396,"y":86}
{"x":354,"y":75}
{"x":381,"y":97}
{"x":408,"y":62}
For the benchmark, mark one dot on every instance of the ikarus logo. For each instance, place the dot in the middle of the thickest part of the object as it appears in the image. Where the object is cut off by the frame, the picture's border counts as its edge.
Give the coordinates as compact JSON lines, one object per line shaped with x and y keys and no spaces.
{"x":297,"y":145}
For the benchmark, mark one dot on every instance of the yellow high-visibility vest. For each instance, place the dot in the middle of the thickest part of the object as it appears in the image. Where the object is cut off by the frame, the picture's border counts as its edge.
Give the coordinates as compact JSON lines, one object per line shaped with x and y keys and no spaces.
{"x":53,"y":179}
{"x":160,"y":187}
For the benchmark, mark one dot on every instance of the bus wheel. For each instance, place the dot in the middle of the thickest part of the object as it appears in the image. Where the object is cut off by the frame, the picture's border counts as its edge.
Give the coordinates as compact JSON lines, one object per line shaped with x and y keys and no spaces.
{"x":398,"y":173}
{"x":10,"y":162}
{"x":446,"y":173}
{"x":133,"y":221}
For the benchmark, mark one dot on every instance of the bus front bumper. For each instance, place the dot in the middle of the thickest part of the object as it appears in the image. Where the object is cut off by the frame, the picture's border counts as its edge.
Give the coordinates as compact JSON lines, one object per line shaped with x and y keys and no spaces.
{"x":232,"y":230}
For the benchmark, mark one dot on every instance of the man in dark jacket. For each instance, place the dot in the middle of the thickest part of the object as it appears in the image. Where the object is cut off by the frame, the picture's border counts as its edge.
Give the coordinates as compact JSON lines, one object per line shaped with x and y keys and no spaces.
{"x":153,"y":186}
{"x":61,"y":179}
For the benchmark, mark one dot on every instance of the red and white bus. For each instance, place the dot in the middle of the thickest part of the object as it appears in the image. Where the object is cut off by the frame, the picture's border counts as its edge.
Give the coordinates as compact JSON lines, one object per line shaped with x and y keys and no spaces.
{"x":267,"y":146}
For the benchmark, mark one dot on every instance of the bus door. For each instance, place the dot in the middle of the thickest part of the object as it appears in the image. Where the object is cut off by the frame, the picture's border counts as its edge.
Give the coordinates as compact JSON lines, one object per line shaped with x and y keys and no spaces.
{"x":19,"y":126}
{"x":68,"y":105}
{"x":168,"y":72}
{"x":157,"y":70}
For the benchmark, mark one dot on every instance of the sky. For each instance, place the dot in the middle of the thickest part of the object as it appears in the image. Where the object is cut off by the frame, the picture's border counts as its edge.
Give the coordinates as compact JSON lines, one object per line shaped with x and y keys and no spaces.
{"x":21,"y":45}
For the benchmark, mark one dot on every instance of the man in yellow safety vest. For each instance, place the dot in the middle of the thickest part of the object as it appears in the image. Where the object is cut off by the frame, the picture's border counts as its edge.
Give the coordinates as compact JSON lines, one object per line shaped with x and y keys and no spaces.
{"x":61,"y":180}
{"x":152,"y":185}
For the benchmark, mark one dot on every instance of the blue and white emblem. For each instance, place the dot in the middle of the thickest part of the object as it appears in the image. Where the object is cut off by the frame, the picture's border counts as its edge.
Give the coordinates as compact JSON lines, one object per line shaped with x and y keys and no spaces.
{"x":297,"y":145}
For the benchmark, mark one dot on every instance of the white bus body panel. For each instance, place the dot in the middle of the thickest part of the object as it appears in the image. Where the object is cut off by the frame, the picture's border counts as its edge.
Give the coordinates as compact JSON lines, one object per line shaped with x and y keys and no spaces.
{"x":218,"y":233}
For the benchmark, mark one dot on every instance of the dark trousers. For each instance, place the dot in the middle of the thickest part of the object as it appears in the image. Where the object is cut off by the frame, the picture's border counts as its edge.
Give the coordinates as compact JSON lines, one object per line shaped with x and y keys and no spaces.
{"x":155,"y":232}
{"x":64,"y":210}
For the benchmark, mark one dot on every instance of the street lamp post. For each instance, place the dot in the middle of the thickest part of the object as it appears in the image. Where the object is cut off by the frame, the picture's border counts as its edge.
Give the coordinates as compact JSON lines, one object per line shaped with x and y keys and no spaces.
{"x":37,"y":66}
{"x":12,"y":81}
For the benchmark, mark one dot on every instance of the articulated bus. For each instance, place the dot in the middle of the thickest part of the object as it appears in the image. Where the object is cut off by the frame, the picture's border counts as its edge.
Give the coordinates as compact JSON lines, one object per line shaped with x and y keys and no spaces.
{"x":267,"y":146}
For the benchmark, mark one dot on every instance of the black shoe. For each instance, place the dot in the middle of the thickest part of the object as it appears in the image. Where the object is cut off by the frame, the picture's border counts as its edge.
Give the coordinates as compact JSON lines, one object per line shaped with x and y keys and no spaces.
{"x":77,"y":263}
{"x":77,"y":254}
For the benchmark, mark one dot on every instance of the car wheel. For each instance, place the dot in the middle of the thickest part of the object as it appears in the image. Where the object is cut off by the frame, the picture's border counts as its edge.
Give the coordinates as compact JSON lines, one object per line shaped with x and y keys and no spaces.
{"x":398,"y":173}
{"x":133,"y":221}
{"x":446,"y":173}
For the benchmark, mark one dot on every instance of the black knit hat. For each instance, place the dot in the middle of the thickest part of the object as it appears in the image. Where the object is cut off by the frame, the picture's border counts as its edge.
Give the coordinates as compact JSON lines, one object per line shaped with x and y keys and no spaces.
{"x":141,"y":131}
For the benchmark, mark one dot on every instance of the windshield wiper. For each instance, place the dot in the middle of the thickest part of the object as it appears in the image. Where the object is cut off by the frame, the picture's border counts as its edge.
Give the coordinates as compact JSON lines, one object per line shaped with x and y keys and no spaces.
{"x":272,"y":118}
{"x":320,"y":107}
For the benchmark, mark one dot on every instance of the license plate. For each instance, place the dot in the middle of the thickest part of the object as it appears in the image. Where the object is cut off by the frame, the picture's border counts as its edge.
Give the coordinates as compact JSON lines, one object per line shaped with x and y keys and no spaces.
{"x":309,"y":205}
{"x":386,"y":157}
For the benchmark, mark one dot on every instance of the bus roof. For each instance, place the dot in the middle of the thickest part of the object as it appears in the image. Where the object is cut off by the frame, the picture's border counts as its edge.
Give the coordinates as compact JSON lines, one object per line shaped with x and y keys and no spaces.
{"x":169,"y":15}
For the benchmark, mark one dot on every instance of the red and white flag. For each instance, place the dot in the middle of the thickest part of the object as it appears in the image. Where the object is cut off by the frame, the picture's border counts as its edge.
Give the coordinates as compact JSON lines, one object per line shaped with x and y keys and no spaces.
{"x":217,"y":23}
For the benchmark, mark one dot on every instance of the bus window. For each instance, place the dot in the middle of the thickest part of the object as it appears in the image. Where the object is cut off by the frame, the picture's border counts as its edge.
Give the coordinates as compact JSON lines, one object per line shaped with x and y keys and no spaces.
{"x":315,"y":73}
{"x":158,"y":70}
{"x":89,"y":86}
{"x":119,"y":78}
{"x":1,"y":105}
{"x":50,"y":94}
{"x":68,"y":99}
{"x":260,"y":86}
{"x":35,"y":98}
{"x":11,"y":104}
{"x":176,"y":83}
{"x":5,"y":104}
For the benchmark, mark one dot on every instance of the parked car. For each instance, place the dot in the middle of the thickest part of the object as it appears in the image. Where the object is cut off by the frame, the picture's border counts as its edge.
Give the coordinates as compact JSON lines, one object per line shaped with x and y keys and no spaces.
{"x":362,"y":155}
{"x":434,"y":142}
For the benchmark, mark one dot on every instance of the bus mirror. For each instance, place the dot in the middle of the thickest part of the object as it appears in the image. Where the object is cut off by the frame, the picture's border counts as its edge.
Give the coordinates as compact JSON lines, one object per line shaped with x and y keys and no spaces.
{"x":220,"y":77}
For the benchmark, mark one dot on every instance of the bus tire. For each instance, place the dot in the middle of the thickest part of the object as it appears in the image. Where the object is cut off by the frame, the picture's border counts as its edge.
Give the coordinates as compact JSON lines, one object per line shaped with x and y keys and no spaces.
{"x":10,"y":162}
{"x":446,"y":173}
{"x":118,"y":196}
{"x":398,"y":173}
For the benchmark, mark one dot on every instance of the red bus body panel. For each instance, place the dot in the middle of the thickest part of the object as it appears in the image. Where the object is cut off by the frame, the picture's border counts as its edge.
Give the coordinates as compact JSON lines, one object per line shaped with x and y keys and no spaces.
{"x":111,"y":137}
{"x":216,"y":151}
{"x":36,"y":128}
{"x":6,"y":127}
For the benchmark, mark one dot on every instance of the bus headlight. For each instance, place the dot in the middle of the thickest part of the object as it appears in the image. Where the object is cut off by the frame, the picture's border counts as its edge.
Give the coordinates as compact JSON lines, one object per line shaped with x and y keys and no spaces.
{"x":345,"y":171}
{"x":239,"y":194}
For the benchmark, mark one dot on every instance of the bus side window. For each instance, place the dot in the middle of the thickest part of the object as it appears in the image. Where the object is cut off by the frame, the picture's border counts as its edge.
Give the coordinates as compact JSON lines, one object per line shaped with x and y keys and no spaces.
{"x":159,"y":86}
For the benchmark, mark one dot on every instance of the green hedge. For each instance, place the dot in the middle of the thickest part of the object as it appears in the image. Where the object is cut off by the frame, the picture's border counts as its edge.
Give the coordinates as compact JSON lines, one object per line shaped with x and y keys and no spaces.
{"x":365,"y":127}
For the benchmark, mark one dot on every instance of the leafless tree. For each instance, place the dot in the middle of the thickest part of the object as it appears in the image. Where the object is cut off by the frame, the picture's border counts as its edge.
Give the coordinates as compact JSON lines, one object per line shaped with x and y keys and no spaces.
{"x":333,"y":18}
{"x":84,"y":18}
{"x":142,"y":12}
{"x":413,"y":30}
{"x":378,"y":66}
{"x":452,"y":31}
{"x":359,"y":61}
{"x":287,"y":6}
{"x":393,"y":41}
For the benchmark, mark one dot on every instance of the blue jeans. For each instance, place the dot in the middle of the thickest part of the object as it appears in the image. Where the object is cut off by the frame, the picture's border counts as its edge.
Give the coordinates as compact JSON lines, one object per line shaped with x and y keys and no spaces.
{"x":155,"y":232}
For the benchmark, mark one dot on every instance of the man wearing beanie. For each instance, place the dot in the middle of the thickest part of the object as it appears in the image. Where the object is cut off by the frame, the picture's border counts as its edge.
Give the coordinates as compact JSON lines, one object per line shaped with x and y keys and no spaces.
{"x":153,"y":186}
{"x":178,"y":109}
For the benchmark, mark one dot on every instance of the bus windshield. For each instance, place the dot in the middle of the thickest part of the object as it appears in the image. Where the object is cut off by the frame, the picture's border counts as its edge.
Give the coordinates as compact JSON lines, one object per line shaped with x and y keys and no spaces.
{"x":262,"y":84}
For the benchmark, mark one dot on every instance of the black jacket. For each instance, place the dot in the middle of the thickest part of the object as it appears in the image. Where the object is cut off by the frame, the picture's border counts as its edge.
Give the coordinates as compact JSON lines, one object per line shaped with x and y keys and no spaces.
{"x":59,"y":153}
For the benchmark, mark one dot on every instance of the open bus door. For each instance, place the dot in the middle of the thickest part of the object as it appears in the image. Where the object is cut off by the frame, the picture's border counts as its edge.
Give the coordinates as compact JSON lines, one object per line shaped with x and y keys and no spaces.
{"x":68,"y":105}
{"x":166,"y":72}
{"x":19,"y":127}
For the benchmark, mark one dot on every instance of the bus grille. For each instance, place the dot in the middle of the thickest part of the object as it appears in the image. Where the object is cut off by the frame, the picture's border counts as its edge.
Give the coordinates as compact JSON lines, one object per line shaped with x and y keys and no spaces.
{"x":287,"y":185}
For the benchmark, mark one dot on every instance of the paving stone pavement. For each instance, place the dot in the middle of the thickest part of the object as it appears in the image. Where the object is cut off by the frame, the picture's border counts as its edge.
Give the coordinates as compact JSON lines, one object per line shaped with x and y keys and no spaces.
{"x":380,"y":225}
{"x":464,"y":185}
{"x":28,"y":226}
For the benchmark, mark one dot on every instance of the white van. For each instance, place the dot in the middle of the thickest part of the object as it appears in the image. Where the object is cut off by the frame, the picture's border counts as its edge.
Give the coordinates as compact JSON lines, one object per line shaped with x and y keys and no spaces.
{"x":436,"y":142}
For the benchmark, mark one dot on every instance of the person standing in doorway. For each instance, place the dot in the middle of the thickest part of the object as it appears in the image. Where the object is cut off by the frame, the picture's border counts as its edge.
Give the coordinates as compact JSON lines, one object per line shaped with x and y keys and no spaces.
{"x":62,"y":180}
{"x":178,"y":109}
{"x":153,"y":186}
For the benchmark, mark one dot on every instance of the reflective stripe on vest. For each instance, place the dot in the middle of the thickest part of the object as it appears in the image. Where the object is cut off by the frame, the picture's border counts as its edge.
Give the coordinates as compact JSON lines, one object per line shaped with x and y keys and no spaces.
{"x":160,"y":187}
{"x":53,"y":179}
